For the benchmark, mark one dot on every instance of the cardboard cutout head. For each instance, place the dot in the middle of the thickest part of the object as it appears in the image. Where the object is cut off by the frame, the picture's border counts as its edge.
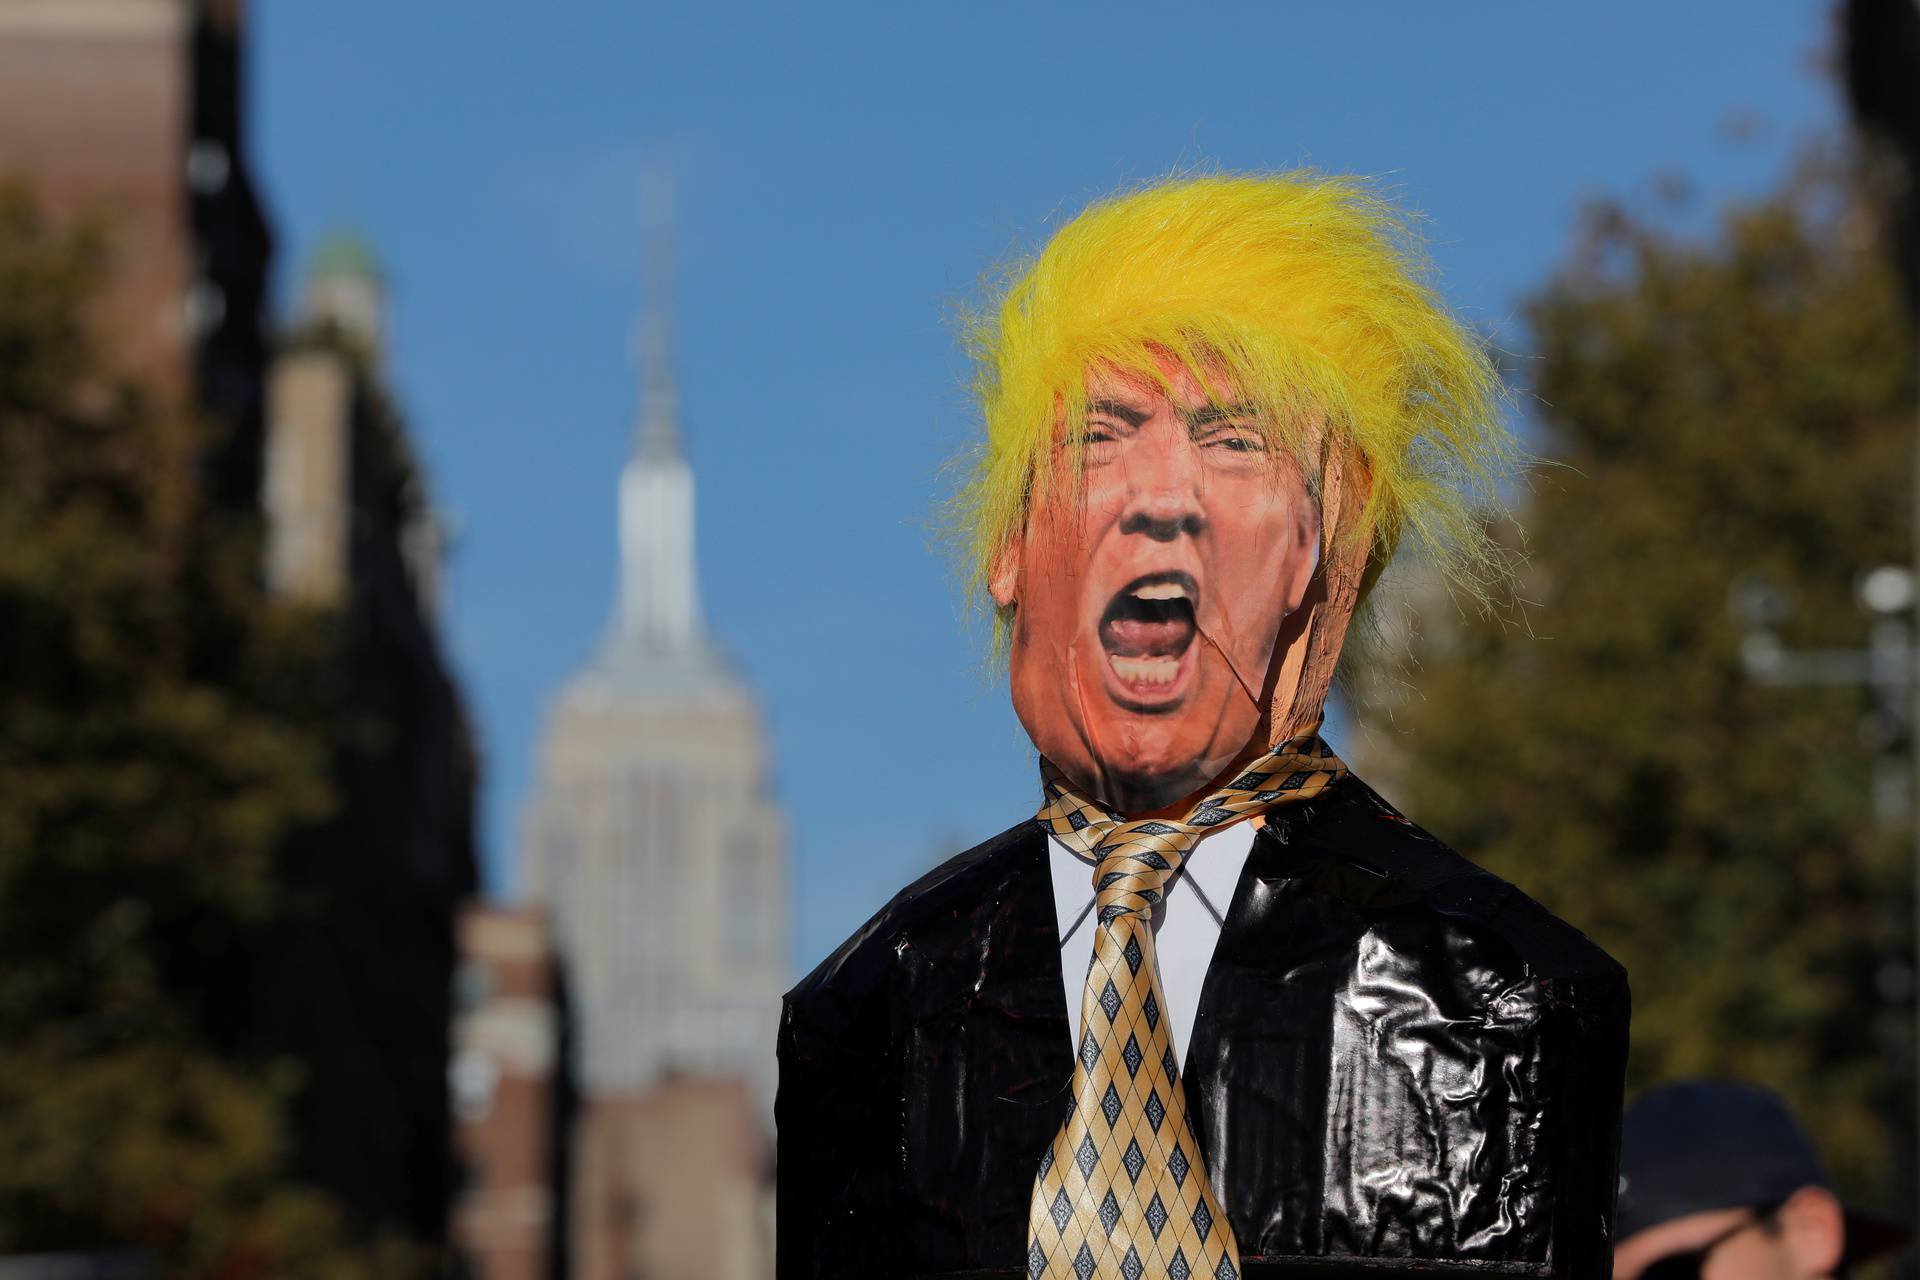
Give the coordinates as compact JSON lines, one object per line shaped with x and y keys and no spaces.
{"x":1213,"y":407}
{"x":1151,"y":598}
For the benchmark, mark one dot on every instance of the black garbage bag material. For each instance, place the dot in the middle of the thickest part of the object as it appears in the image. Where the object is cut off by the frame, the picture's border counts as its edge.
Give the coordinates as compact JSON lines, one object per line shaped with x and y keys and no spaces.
{"x":1398,"y":1060}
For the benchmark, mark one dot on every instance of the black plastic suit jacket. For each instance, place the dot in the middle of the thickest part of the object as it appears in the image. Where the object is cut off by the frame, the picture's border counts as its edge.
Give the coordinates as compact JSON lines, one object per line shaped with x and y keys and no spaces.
{"x":1397,"y":1060}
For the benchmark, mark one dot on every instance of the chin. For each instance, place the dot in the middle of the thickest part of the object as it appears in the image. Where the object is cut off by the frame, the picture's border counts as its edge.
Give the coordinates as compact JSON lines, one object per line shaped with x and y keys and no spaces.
{"x":1153,"y":774}
{"x":1177,"y":755}
{"x":1143,"y":792}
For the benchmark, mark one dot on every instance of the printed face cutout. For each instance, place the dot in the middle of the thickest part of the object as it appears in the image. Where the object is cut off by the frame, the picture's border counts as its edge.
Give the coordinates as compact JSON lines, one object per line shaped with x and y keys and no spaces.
{"x":1148,"y":601}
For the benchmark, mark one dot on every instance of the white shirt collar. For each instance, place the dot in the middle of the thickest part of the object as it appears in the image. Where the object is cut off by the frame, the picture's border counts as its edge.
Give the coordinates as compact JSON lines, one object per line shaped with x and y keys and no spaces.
{"x":1214,"y":865}
{"x":1218,"y":861}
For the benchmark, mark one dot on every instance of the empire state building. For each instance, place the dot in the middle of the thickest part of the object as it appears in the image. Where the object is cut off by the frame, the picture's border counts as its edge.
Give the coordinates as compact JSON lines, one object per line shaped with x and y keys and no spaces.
{"x":651,"y":840}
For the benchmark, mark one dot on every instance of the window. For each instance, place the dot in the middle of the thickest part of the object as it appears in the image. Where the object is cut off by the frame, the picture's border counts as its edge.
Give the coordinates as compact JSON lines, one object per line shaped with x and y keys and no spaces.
{"x":745,"y":899}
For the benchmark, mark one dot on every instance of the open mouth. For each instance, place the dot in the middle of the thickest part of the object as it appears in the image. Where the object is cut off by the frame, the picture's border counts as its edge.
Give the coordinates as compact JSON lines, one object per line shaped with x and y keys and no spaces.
{"x":1147,"y":630}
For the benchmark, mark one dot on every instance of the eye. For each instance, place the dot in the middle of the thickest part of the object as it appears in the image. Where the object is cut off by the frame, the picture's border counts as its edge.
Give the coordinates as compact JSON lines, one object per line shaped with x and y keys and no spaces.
{"x":1099,"y":433}
{"x":1236,"y":441}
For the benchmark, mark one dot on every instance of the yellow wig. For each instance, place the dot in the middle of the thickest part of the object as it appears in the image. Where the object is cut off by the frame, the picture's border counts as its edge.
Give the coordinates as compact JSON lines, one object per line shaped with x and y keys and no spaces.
{"x":1307,"y":291}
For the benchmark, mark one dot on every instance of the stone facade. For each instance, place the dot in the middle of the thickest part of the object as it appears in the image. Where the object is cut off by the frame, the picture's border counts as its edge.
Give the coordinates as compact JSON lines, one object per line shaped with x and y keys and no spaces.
{"x":654,"y":845}
{"x":663,"y":865}
{"x":652,"y":839}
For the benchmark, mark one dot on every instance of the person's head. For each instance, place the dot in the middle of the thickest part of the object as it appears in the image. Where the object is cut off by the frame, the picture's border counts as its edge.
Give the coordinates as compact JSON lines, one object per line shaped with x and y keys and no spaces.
{"x":1213,"y":408}
{"x":1717,"y":1182}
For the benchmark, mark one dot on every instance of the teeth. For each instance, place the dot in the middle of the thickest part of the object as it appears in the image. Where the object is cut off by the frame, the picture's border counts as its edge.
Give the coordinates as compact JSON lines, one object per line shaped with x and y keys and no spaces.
{"x":1161,"y":591}
{"x":1159,"y":670}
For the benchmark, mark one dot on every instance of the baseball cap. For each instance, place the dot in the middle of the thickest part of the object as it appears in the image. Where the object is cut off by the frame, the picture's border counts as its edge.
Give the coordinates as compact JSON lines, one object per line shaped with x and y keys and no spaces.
{"x":1698,"y":1145}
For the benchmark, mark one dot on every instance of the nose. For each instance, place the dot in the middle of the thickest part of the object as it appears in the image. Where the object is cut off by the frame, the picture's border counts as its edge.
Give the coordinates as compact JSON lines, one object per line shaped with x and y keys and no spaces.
{"x":1163,"y":494}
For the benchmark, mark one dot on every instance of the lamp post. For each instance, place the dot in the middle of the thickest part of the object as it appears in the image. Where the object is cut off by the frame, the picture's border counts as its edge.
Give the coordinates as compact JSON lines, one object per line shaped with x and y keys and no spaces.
{"x":1889,"y":667}
{"x":1881,"y":52}
{"x":1885,"y":666}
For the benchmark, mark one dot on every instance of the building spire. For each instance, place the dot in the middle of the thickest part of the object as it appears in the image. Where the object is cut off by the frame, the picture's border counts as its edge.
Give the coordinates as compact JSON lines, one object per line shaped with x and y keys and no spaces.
{"x":657,"y":433}
{"x":659,"y":595}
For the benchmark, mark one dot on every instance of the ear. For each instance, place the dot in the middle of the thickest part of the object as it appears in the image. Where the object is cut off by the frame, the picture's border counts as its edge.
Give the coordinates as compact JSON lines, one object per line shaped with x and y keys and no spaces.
{"x":1815,"y":1229}
{"x":1004,"y":582}
{"x":1304,"y":669}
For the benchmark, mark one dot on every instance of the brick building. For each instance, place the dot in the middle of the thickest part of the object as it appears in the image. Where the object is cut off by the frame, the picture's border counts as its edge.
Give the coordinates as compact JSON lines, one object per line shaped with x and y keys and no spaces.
{"x":672,"y":1182}
{"x":511,"y":1099}
{"x":129,"y":113}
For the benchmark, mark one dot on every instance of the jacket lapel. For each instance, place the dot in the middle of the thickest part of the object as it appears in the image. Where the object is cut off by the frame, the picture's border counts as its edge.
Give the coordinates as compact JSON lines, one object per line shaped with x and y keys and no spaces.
{"x":1257,"y":1069}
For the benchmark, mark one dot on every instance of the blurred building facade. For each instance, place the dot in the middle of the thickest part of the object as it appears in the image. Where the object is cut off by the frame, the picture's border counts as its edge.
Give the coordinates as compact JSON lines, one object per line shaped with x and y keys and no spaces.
{"x":362,"y":973}
{"x":511,"y":1100}
{"x":129,"y":115}
{"x":654,"y":845}
{"x":672,"y":1184}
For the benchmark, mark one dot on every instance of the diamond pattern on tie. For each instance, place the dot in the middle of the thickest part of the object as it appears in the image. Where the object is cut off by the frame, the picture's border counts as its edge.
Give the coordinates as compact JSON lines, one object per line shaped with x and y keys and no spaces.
{"x":1110,"y":1213}
{"x":1134,"y":1214}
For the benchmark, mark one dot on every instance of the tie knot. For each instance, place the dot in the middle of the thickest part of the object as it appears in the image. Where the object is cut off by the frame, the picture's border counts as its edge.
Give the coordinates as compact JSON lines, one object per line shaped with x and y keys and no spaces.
{"x":1134,"y":862}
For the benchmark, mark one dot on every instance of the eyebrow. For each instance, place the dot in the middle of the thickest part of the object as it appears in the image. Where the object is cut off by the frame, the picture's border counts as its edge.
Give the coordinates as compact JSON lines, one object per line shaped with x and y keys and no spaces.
{"x":1208,"y":414}
{"x":1113,"y":408}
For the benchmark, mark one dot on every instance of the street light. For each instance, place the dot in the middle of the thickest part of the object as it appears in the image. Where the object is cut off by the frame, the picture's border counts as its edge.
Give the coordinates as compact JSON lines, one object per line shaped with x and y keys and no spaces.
{"x":1885,"y":667}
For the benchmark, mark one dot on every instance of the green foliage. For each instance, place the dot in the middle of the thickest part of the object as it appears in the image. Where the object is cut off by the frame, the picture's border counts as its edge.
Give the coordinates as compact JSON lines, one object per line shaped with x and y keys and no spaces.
{"x":1738,"y":406}
{"x":148,"y":771}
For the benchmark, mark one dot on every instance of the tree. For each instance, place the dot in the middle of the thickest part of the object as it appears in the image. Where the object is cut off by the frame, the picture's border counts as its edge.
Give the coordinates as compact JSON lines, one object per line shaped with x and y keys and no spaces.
{"x":1711,"y":412}
{"x":152,"y":759}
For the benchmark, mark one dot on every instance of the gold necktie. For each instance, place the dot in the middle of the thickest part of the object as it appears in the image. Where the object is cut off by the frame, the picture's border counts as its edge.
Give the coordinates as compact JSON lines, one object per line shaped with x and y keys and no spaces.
{"x":1121,"y":1192}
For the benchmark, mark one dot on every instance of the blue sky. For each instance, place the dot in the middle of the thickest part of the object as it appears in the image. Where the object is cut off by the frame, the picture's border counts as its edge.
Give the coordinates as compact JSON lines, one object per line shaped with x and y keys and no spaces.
{"x":846,"y":173}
